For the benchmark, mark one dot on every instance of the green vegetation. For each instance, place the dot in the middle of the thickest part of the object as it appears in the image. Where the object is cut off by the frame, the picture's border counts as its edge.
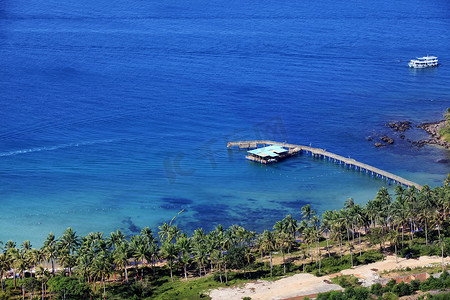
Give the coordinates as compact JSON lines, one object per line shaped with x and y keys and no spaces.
{"x":445,"y":132}
{"x":392,"y":290}
{"x":175,"y":265}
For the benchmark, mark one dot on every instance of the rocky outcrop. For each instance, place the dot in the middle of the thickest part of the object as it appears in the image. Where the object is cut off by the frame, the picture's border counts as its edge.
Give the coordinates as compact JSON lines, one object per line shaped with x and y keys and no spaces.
{"x":433,"y":130}
{"x":401,"y":126}
{"x":387,"y":139}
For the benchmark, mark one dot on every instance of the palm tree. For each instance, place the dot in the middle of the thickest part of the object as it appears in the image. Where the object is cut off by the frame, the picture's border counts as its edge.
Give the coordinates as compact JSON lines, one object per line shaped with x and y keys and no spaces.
{"x":281,"y":239}
{"x":217,"y":259}
{"x":101,"y":268}
{"x":269,"y":246}
{"x":327,"y":218}
{"x":200,"y":256}
{"x":382,"y":202}
{"x":84,"y":264}
{"x":170,"y":252}
{"x":337,"y":226}
{"x":399,"y":211}
{"x":349,"y":204}
{"x":69,"y":240}
{"x":67,"y":260}
{"x":140,"y":254}
{"x":147,"y":234}
{"x":185,"y":246}
{"x":307,"y":212}
{"x":9,"y":245}
{"x":25,"y":246}
{"x":50,"y":250}
{"x":138,"y":247}
{"x":121,"y":256}
{"x":45,"y":276}
{"x":394,"y":238}
{"x":153,"y":251}
{"x":290,"y":228}
{"x":168,"y":232}
{"x":115,"y":239}
{"x":5,"y":265}
{"x":348,"y":223}
{"x":413,"y":205}
{"x":427,"y":207}
{"x":359,"y":220}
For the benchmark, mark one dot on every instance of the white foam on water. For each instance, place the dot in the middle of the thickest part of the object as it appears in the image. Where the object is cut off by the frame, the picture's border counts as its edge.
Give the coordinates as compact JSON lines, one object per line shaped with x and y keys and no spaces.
{"x":51,"y":148}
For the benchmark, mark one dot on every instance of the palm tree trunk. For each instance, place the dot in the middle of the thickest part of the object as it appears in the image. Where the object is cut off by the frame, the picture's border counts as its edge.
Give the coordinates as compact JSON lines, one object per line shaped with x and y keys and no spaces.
{"x":104,"y":288}
{"x":304,"y":259}
{"x":411,"y":236}
{"x":396,"y":257}
{"x":360,"y":246}
{"x":442,"y":247}
{"x":317,"y":250}
{"x":271,"y":266}
{"x":284,"y":262}
{"x":153,"y":267}
{"x":226,"y":274}
{"x":126,"y":274}
{"x":350,"y":246}
{"x":328,"y":248}
{"x":403,"y":233}
{"x":185,"y":272}
{"x":353,"y":233}
{"x":426,"y":232}
{"x":320,"y":260}
{"x":137,"y":269}
{"x":170,"y":265}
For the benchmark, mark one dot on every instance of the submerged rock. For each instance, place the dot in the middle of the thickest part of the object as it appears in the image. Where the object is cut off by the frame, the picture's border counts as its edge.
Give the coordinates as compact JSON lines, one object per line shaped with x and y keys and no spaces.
{"x":401,"y":126}
{"x":378,"y":145}
{"x":387,"y":139}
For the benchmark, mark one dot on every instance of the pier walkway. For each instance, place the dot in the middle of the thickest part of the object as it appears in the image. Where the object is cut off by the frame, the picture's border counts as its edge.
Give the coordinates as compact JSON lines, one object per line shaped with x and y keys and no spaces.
{"x":337,"y":159}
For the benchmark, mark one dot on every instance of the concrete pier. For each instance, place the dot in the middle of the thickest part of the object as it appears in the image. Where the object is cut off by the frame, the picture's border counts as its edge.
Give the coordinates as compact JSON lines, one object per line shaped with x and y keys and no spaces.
{"x":331,"y":157}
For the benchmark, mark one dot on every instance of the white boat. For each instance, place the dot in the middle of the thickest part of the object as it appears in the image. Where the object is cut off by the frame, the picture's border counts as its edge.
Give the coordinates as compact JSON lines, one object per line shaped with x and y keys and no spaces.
{"x":423,"y":62}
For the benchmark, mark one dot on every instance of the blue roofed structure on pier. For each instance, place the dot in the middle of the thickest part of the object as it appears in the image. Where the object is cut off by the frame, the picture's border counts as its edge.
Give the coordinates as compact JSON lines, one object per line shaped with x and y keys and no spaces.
{"x":267,"y":154}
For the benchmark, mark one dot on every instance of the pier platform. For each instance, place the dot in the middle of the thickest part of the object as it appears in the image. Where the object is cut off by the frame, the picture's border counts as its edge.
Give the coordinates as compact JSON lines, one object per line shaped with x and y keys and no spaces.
{"x":331,"y":157}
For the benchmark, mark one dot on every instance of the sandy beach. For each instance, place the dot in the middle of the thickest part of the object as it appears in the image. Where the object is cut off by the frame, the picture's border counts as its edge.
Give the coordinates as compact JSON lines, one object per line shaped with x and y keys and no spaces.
{"x":307,"y":284}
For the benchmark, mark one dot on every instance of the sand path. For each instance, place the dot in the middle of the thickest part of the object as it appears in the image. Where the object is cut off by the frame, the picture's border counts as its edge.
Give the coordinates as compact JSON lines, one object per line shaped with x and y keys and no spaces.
{"x":307,"y":284}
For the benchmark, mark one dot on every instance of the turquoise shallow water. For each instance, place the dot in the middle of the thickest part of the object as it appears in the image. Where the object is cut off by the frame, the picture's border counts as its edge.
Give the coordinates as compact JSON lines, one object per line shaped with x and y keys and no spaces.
{"x":116,"y":114}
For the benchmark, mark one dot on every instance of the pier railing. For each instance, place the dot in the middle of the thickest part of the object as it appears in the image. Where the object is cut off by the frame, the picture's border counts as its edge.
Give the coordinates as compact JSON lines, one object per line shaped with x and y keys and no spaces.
{"x":321,"y":153}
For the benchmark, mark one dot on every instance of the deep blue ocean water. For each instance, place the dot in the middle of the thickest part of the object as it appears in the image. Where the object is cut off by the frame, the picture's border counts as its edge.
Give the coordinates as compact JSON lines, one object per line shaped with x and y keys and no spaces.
{"x":115,"y":114}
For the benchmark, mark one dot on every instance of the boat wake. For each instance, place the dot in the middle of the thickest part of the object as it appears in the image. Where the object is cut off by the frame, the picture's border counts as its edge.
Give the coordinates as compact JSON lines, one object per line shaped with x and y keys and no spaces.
{"x":51,"y":148}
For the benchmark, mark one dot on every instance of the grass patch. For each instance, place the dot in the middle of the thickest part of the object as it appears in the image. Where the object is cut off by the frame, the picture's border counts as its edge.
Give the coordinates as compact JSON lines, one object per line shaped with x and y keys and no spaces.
{"x":445,"y":133}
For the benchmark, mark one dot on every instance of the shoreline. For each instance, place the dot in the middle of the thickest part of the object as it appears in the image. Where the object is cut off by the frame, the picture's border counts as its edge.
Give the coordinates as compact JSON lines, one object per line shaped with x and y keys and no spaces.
{"x":432,"y":128}
{"x":399,"y":133}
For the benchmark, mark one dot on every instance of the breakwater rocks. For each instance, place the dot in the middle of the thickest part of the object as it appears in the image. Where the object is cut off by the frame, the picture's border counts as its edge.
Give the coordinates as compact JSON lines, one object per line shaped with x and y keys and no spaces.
{"x":399,"y":128}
